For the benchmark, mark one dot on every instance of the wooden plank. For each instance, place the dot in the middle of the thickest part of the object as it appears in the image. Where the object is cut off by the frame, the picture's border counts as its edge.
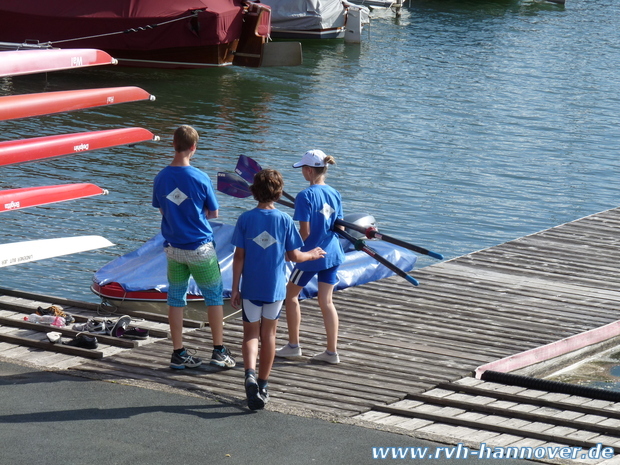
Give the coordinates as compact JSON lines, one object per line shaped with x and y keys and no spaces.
{"x":46,"y":345}
{"x":513,"y":413}
{"x":109,"y":340}
{"x":477,"y":391}
{"x":480,"y":424}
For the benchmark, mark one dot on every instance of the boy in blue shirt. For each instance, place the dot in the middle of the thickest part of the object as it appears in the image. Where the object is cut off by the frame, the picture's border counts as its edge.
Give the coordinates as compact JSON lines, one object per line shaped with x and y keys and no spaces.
{"x":186,"y":200}
{"x":264,"y":237}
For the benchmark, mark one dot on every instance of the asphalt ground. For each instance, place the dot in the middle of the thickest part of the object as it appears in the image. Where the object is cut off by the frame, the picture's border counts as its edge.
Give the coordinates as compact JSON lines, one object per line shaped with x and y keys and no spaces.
{"x":57,"y":418}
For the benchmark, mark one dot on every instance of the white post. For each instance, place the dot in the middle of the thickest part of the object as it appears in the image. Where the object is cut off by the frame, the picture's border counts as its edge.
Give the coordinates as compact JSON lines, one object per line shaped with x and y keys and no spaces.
{"x":353,"y":32}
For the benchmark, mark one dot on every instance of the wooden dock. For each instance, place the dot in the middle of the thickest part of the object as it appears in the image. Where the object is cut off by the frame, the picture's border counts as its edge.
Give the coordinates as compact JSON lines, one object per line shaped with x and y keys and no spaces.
{"x":398,"y":343}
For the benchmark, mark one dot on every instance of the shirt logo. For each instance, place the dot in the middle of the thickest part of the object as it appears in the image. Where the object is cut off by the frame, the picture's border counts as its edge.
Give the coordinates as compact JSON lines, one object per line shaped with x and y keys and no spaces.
{"x":265,"y":240}
{"x":176,"y":196}
{"x":327,"y":211}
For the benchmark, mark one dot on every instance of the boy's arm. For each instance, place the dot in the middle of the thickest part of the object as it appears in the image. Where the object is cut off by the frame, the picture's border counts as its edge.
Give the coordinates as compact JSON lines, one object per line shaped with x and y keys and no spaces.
{"x":237,"y":269}
{"x":304,"y":229}
{"x":298,"y":256}
{"x":211,"y":214}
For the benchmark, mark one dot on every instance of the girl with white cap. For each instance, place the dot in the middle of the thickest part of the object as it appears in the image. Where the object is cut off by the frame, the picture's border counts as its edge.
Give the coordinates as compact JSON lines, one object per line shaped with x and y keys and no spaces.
{"x":316,"y":208}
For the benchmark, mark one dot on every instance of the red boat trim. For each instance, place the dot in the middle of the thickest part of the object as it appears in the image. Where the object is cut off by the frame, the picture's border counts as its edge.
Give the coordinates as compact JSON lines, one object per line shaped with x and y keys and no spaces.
{"x":15,"y":199}
{"x":38,"y":148}
{"x":45,"y":103}
{"x":16,"y":63}
{"x":115,"y":291}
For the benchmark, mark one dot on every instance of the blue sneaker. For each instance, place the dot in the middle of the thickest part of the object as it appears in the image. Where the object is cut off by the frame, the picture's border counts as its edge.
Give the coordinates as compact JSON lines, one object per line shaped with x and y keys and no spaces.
{"x":184,"y":360}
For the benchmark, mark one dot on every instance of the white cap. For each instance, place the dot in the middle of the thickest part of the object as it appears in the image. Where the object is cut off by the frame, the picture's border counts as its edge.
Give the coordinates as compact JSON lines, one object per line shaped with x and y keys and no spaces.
{"x":315,"y":158}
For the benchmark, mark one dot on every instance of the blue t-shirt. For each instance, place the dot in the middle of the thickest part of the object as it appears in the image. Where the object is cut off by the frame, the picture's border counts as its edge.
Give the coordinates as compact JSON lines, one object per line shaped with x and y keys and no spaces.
{"x":183,"y":193}
{"x":266,"y":235}
{"x":320,"y":205}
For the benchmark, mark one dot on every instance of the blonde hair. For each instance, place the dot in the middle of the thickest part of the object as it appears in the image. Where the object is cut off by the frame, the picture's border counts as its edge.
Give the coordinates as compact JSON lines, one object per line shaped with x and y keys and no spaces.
{"x":322,"y":170}
{"x":184,"y":138}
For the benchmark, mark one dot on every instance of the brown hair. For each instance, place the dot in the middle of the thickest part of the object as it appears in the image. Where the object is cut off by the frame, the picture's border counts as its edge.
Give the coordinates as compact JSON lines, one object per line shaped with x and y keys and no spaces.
{"x":268,"y":186}
{"x":184,"y":138}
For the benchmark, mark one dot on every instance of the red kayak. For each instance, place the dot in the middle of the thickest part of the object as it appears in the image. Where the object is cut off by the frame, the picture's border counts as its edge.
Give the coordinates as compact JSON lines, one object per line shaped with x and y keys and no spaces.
{"x":15,"y":199}
{"x":45,"y":103}
{"x":39,"y":148}
{"x":149,"y":33}
{"x":16,"y":63}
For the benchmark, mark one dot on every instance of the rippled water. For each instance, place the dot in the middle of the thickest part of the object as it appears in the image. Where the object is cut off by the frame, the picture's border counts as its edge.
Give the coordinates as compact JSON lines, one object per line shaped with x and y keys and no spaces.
{"x":459,"y":125}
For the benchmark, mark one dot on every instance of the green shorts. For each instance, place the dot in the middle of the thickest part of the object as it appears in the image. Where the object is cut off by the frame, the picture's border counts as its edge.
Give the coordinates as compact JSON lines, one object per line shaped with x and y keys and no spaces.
{"x":202,"y":265}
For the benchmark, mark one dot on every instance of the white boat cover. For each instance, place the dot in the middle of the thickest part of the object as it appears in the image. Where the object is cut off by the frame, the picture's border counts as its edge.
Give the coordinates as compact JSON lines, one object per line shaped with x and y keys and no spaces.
{"x":145,"y":268}
{"x":306,"y":15}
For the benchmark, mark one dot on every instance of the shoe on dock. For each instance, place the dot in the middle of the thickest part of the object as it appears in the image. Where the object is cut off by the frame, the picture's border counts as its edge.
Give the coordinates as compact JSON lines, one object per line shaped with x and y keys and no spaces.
{"x":184,"y":360}
{"x":288,"y":352}
{"x":325,"y":357}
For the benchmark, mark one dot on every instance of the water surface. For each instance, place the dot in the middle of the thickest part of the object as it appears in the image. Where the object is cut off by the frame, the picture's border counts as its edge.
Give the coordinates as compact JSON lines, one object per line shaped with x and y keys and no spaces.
{"x":459,"y":125}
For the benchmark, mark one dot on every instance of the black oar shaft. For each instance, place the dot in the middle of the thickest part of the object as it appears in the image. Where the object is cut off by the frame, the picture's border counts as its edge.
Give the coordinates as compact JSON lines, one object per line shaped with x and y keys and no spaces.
{"x":373,"y":233}
{"x":360,"y":245}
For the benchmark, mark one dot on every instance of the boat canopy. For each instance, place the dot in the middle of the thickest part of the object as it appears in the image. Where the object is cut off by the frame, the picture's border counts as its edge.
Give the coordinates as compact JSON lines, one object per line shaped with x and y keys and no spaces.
{"x":145,"y":268}
{"x":306,"y":15}
{"x":59,"y":20}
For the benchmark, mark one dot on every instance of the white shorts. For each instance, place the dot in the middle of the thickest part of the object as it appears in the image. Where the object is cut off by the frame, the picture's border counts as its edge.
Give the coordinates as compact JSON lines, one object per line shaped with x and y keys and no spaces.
{"x":254,"y":310}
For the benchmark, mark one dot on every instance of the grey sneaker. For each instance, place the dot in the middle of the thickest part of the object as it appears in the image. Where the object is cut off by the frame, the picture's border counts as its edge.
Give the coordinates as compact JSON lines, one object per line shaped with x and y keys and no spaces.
{"x":288,"y":352}
{"x":222,"y":358}
{"x":184,"y":360}
{"x":252,"y":392}
{"x":91,"y":326}
{"x":325,"y":357}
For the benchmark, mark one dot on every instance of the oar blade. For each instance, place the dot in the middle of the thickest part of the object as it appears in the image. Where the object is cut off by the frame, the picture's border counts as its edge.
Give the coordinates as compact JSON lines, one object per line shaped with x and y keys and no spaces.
{"x":29,"y":251}
{"x":247,"y":168}
{"x":233,"y":185}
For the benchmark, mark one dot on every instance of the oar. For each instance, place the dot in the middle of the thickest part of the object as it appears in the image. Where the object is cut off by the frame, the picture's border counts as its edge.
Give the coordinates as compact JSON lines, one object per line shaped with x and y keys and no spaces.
{"x":46,"y":103}
{"x":372,"y":233}
{"x":247,"y":167}
{"x":361,"y":245}
{"x":15,"y":199}
{"x":235,"y":186}
{"x":15,"y":253}
{"x":39,"y":148}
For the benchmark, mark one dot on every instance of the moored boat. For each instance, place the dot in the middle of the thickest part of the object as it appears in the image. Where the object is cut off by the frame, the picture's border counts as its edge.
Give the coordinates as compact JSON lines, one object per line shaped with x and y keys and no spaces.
{"x":146,"y":33}
{"x":316,"y":19}
{"x":137,"y":280}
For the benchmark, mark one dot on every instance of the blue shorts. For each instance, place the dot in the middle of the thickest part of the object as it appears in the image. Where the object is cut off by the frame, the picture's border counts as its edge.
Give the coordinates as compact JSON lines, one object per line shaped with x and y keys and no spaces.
{"x":301,"y":278}
{"x":254,"y":310}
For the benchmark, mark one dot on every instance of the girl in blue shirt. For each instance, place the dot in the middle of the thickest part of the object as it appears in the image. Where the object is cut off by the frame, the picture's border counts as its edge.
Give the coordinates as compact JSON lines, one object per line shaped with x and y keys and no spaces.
{"x":316,"y":208}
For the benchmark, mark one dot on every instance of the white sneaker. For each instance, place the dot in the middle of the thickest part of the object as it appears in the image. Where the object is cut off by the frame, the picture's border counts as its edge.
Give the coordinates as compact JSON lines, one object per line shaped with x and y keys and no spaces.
{"x":54,"y":337}
{"x":287,"y":351}
{"x":325,"y":357}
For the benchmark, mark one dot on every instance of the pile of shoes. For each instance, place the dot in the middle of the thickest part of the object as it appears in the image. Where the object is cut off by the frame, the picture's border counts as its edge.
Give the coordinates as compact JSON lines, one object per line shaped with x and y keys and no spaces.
{"x":86,"y":339}
{"x":119,"y":327}
{"x":55,"y":310}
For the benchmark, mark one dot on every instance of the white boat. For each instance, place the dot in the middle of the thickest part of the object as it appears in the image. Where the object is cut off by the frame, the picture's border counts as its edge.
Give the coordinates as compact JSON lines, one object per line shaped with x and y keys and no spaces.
{"x":137,"y":280}
{"x":317,"y":19}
